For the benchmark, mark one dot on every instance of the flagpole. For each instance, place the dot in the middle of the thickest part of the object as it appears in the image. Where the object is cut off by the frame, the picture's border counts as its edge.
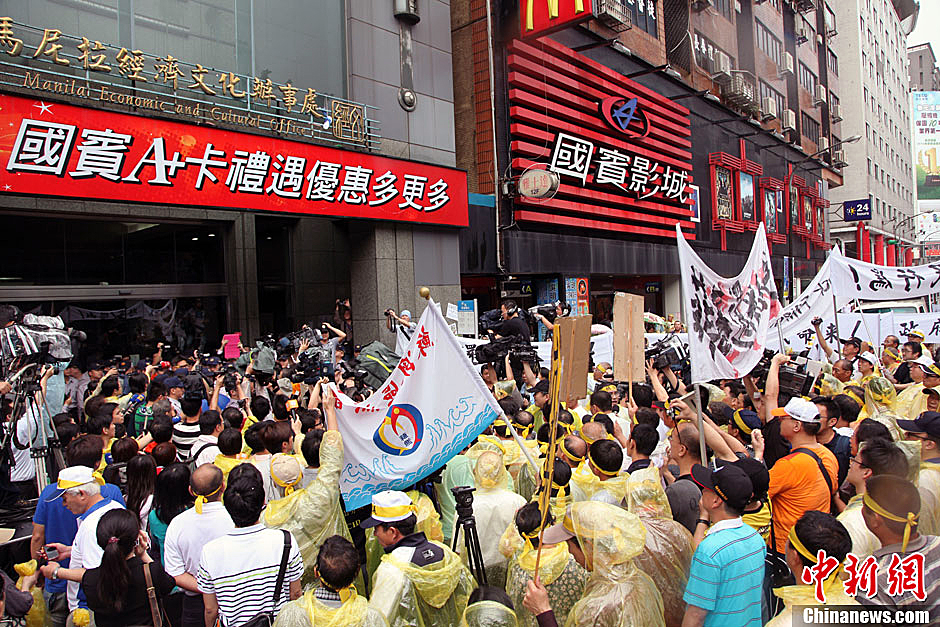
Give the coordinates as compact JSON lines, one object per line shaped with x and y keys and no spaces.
{"x":688,"y":327}
{"x":835,"y":311}
{"x":555,"y":402}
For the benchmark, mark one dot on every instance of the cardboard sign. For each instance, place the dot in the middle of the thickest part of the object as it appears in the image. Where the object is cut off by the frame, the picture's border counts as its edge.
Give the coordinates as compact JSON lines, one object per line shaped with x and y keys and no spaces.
{"x":574,"y":336}
{"x":628,"y":337}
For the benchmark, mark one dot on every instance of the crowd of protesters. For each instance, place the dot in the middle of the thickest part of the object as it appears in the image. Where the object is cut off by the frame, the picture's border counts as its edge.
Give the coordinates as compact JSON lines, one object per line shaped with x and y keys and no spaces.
{"x":202,"y":491}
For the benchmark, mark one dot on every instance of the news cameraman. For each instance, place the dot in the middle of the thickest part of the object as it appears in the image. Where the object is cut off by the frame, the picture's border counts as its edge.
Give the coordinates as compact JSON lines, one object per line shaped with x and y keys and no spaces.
{"x":513,"y":324}
{"x":561,"y":309}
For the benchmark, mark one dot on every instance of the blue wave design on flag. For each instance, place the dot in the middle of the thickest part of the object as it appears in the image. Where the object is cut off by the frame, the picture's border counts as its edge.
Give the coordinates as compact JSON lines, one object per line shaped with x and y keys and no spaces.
{"x":359,"y":497}
{"x":456,"y":416}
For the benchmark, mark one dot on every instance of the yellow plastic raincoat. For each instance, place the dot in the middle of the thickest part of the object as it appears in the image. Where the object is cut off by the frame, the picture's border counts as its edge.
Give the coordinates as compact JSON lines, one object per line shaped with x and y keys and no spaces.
{"x":314,"y":513}
{"x":803,"y":595}
{"x":829,"y":385}
{"x":225,"y":464}
{"x":488,"y":614}
{"x":881,"y":405}
{"x":422,"y":596}
{"x":911,"y":402}
{"x":618,"y":593}
{"x":559,"y":572}
{"x":586,"y":486}
{"x":928,"y":483}
{"x":36,"y":616}
{"x":494,"y":508}
{"x":864,"y":542}
{"x":308,"y":611}
{"x":667,"y":556}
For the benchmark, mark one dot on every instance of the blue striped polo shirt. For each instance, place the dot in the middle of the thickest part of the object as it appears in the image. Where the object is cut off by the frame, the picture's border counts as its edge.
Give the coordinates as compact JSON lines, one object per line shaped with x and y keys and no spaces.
{"x":726,"y":575}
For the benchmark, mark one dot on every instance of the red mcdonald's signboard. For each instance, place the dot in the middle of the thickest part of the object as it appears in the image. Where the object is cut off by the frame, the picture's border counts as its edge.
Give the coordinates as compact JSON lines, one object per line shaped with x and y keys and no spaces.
{"x":540,"y":17}
{"x":63,"y":150}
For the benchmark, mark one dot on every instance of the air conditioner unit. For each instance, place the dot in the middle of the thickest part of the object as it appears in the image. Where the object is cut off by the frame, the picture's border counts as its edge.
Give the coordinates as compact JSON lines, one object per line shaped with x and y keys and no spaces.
{"x":768,"y":109}
{"x":613,"y":15}
{"x":819,"y":98}
{"x":838,"y":158}
{"x":823,"y":144}
{"x":835,"y":113}
{"x":805,"y":6}
{"x":700,"y":5}
{"x":802,"y":33}
{"x":789,"y":120}
{"x":721,"y":67}
{"x":787,"y":67}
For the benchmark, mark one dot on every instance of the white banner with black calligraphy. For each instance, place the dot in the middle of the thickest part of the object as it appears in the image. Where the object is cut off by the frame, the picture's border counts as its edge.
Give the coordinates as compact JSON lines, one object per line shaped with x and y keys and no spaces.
{"x":850,"y":280}
{"x":729,"y":318}
{"x":429,"y":409}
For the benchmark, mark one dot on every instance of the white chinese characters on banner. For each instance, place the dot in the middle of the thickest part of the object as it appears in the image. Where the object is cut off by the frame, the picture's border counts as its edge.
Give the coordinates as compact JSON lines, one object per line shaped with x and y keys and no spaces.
{"x":628,"y":172}
{"x":728,"y":317}
{"x":412,"y":425}
{"x":44,"y":147}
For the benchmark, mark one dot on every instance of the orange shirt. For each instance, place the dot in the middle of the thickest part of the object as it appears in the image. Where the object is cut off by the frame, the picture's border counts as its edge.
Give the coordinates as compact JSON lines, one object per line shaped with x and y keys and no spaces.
{"x":797,"y":486}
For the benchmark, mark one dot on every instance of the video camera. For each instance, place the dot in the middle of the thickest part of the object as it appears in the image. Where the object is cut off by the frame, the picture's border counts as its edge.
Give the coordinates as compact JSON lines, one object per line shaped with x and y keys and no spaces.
{"x":668,"y":352}
{"x":310,"y":368}
{"x":797,"y":377}
{"x":550,"y":311}
{"x":496,"y":350}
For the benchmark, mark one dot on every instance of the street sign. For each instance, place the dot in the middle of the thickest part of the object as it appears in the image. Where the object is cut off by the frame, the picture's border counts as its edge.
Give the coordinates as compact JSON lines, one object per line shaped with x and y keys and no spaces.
{"x":856,"y":210}
{"x":538,"y":183}
{"x":467,"y":317}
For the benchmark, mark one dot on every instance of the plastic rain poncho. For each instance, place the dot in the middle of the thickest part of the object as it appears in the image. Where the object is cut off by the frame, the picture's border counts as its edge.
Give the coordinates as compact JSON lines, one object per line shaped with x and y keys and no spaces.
{"x":559,"y":572}
{"x":429,"y":523}
{"x":881,"y":403}
{"x":911,"y":402}
{"x":864,"y":542}
{"x":494,"y":508}
{"x":667,"y":556}
{"x":488,"y":614}
{"x":586,"y":486}
{"x":314,"y":513}
{"x":36,"y":617}
{"x":618,"y":593}
{"x":805,"y":596}
{"x":457,"y":472}
{"x":421,"y":596}
{"x":829,"y":385}
{"x":928,"y":483}
{"x":308,"y":611}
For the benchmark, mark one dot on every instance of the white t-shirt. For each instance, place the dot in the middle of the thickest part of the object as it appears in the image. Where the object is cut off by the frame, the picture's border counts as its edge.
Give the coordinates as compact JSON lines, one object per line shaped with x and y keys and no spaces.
{"x":26,"y":432}
{"x":188,"y":533}
{"x":85,"y":550}
{"x":207,"y":454}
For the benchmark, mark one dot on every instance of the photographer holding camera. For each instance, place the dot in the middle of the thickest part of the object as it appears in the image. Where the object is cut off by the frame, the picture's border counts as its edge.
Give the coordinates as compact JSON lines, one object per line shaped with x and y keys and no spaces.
{"x":547,"y":314}
{"x":402,"y":327}
{"x":513,"y":324}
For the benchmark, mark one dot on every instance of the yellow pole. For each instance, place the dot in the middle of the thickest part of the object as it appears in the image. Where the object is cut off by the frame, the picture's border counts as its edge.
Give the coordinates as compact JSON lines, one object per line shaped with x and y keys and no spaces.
{"x":554,"y":404}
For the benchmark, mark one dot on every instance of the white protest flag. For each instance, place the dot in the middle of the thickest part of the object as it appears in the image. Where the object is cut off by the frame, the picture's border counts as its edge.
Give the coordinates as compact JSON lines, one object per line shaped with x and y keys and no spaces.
{"x":729,"y":318}
{"x":430,"y":408}
{"x":815,"y":301}
{"x":867,"y":281}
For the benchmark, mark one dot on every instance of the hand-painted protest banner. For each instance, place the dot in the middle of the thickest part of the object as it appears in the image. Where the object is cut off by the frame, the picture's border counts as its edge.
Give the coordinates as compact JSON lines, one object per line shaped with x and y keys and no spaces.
{"x":429,"y":409}
{"x":728,"y":317}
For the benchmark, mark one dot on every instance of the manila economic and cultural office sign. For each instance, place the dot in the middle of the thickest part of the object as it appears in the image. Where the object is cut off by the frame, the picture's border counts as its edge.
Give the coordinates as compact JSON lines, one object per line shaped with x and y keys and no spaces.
{"x":64,"y":150}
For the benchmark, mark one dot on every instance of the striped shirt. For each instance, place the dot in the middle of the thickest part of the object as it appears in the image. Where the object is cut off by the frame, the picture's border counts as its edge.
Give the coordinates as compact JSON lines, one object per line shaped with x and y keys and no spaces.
{"x":240,"y":569}
{"x":929,"y":547}
{"x":184,"y":436}
{"x":726,"y":575}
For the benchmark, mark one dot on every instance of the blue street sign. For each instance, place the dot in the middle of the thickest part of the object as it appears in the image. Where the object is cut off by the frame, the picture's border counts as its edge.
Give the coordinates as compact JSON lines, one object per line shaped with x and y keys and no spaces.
{"x":855,"y":210}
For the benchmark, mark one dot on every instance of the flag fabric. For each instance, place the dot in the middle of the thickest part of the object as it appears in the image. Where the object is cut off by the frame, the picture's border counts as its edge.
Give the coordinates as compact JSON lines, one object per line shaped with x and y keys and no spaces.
{"x":430,"y":408}
{"x":727,"y":318}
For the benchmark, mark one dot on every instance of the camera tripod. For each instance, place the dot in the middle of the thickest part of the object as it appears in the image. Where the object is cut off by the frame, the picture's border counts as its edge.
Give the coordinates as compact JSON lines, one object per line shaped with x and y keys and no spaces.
{"x":29,"y":404}
{"x":467,"y":523}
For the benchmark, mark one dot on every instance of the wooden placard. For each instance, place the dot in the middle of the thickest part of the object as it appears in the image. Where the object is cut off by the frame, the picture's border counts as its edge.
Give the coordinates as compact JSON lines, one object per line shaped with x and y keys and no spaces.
{"x":628,"y":337}
{"x":575,"y":351}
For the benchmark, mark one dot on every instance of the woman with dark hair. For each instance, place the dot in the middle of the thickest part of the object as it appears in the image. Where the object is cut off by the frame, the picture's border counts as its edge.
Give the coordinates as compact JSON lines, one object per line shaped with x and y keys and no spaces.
{"x":171,"y":497}
{"x":141,"y":477}
{"x":117,"y":590}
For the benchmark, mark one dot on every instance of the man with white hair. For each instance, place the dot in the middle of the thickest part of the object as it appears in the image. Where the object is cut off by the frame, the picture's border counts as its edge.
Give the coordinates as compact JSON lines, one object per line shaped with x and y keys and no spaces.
{"x":403,"y":330}
{"x":80,"y":490}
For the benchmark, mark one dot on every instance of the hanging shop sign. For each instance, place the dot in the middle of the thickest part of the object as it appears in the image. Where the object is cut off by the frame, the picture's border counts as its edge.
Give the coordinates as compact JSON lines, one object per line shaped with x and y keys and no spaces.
{"x":622,"y":151}
{"x":48,"y":61}
{"x":62,"y":149}
{"x":855,"y":210}
{"x":537,"y":183}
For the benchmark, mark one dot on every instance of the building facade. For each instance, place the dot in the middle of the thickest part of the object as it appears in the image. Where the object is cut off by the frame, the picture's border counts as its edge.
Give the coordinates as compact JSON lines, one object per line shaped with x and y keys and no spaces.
{"x":922,"y":65}
{"x":743,"y":100}
{"x":873,"y":60}
{"x":224,"y":166}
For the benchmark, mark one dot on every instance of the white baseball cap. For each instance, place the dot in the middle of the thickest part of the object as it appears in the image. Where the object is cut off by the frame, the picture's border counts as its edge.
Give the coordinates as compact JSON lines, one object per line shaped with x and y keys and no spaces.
{"x":389,"y":506}
{"x":799,"y":409}
{"x":75,"y":476}
{"x":869,"y":357}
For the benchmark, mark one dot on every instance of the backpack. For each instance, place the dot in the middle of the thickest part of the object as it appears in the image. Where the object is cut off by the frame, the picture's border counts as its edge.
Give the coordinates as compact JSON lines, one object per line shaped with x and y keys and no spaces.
{"x":194,"y":455}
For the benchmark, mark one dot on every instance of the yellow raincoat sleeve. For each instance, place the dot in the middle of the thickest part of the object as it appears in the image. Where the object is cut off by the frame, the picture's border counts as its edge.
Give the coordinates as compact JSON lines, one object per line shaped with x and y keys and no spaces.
{"x":307,"y":611}
{"x":314,"y":514}
{"x":804,"y":596}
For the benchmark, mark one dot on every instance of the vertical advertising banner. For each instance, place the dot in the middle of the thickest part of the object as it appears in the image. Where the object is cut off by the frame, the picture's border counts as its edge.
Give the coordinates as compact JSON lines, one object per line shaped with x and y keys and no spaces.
{"x":926,"y":115}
